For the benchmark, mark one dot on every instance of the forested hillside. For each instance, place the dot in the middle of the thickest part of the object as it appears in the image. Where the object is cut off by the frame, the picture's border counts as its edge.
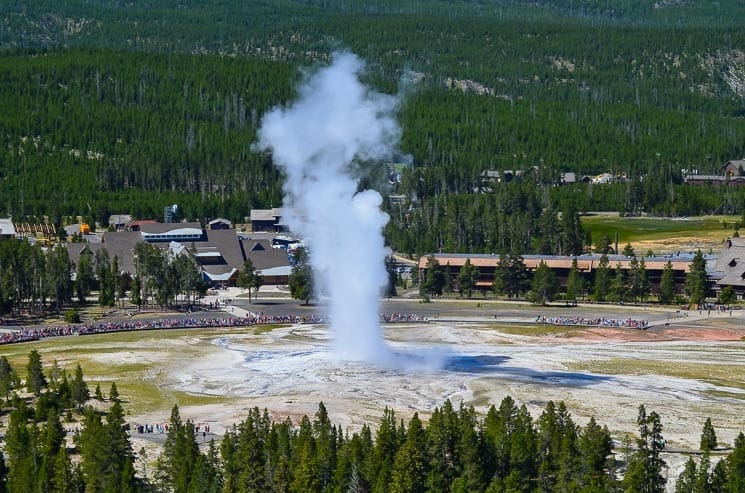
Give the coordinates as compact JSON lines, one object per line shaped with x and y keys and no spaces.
{"x":115,"y":106}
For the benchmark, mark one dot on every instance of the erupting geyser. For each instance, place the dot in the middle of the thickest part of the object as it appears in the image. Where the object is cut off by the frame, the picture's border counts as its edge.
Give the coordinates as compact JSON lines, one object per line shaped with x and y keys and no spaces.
{"x":335,"y":122}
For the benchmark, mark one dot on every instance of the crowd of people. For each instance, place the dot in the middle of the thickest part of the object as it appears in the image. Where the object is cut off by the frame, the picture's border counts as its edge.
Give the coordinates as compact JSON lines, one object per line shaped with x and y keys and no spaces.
{"x":401,"y":317}
{"x":632,"y":323}
{"x":25,"y":334}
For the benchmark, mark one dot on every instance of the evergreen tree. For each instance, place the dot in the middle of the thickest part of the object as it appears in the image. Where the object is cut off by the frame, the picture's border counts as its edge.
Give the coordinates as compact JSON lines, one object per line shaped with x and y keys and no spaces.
{"x":7,"y":377}
{"x":84,"y":277}
{"x":106,"y":288}
{"x":113,"y":393}
{"x":79,"y":389}
{"x":687,"y":479}
{"x":22,"y":450}
{"x":441,"y":442}
{"x":435,"y":279}
{"x":467,"y":277}
{"x":644,"y":474}
{"x":575,"y":283}
{"x":471,"y":450}
{"x":702,"y":484}
{"x":511,"y":275}
{"x":595,"y":447}
{"x":545,"y":285}
{"x":697,"y":281}
{"x":52,"y":435}
{"x":718,"y":478}
{"x":602,"y":280}
{"x":618,"y":286}
{"x":708,"y":437}
{"x":667,"y":285}
{"x":301,"y":277}
{"x":387,"y":443}
{"x":641,"y":280}
{"x":136,"y":292}
{"x":248,"y":278}
{"x":35,"y":379}
{"x":736,"y":463}
{"x":727,"y":295}
{"x":408,"y":473}
{"x":572,"y":233}
{"x":448,"y":288}
{"x":180,"y":454}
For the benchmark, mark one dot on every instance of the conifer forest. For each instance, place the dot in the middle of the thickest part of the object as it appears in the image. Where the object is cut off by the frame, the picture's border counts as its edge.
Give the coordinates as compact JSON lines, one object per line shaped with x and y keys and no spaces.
{"x":125,"y":107}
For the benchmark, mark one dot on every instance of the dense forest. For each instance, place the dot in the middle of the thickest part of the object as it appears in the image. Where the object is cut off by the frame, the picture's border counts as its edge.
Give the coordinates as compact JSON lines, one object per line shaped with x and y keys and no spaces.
{"x":124,"y":107}
{"x":457,"y":450}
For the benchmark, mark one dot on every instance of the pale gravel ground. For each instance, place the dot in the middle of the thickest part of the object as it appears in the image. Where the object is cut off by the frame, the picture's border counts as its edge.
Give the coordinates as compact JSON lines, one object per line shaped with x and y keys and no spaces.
{"x":288,"y":371}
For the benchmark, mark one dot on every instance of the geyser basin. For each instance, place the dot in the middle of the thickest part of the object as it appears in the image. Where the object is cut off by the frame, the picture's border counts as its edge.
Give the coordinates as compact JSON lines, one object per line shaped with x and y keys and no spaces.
{"x":290,"y":370}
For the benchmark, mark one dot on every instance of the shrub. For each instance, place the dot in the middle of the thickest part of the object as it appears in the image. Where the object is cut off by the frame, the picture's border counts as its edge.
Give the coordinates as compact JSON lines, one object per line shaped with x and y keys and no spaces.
{"x":72,"y":316}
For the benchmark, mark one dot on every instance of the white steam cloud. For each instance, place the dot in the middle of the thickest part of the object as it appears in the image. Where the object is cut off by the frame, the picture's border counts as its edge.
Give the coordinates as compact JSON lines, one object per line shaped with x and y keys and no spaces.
{"x":335,"y":122}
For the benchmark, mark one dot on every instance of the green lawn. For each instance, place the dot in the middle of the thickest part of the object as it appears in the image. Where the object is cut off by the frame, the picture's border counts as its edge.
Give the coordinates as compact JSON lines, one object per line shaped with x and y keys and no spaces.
{"x":708,"y":230}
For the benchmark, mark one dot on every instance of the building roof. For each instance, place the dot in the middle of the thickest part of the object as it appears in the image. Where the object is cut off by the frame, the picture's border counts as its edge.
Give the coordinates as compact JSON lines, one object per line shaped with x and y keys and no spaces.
{"x":585,"y":263}
{"x":6,"y":227}
{"x":729,"y":269}
{"x":117,"y":219}
{"x":266,"y":214}
{"x":161,"y":228}
{"x":263,"y":256}
{"x":121,"y":244}
{"x":220,"y":220}
{"x":140,"y":222}
{"x":284,"y":270}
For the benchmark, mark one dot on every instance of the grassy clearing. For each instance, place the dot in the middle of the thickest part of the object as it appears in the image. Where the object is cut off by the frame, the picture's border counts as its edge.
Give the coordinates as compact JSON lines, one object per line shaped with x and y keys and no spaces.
{"x":707,"y":230}
{"x":716,"y":374}
{"x":137,"y":361}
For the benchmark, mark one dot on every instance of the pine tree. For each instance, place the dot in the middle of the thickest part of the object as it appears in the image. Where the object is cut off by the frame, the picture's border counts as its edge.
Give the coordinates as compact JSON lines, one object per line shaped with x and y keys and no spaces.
{"x":7,"y":377}
{"x":736,"y":463}
{"x":248,"y":278}
{"x":471,"y":450}
{"x":441,"y":445}
{"x":595,"y":447}
{"x":545,"y":284}
{"x":79,"y":389}
{"x":35,"y":379}
{"x":435,"y":280}
{"x":113,"y":393}
{"x":409,"y":471}
{"x":703,"y":478}
{"x":602,"y":280}
{"x":687,"y":479}
{"x":644,"y":474}
{"x":697,"y":280}
{"x":708,"y":437}
{"x":22,"y":451}
{"x":300,"y":281}
{"x":387,"y":442}
{"x":667,"y":285}
{"x":467,"y":277}
{"x":618,"y":287}
{"x":575,"y":283}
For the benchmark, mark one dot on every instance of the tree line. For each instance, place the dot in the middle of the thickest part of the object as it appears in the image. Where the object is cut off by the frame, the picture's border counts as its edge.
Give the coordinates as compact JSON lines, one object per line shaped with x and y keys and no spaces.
{"x":37,"y":280}
{"x":505,"y":450}
{"x":129,"y":109}
{"x":607,"y":283}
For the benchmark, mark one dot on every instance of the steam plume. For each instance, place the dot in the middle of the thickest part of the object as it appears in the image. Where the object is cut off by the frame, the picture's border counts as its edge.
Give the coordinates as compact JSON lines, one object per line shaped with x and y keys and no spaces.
{"x":335,"y":122}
